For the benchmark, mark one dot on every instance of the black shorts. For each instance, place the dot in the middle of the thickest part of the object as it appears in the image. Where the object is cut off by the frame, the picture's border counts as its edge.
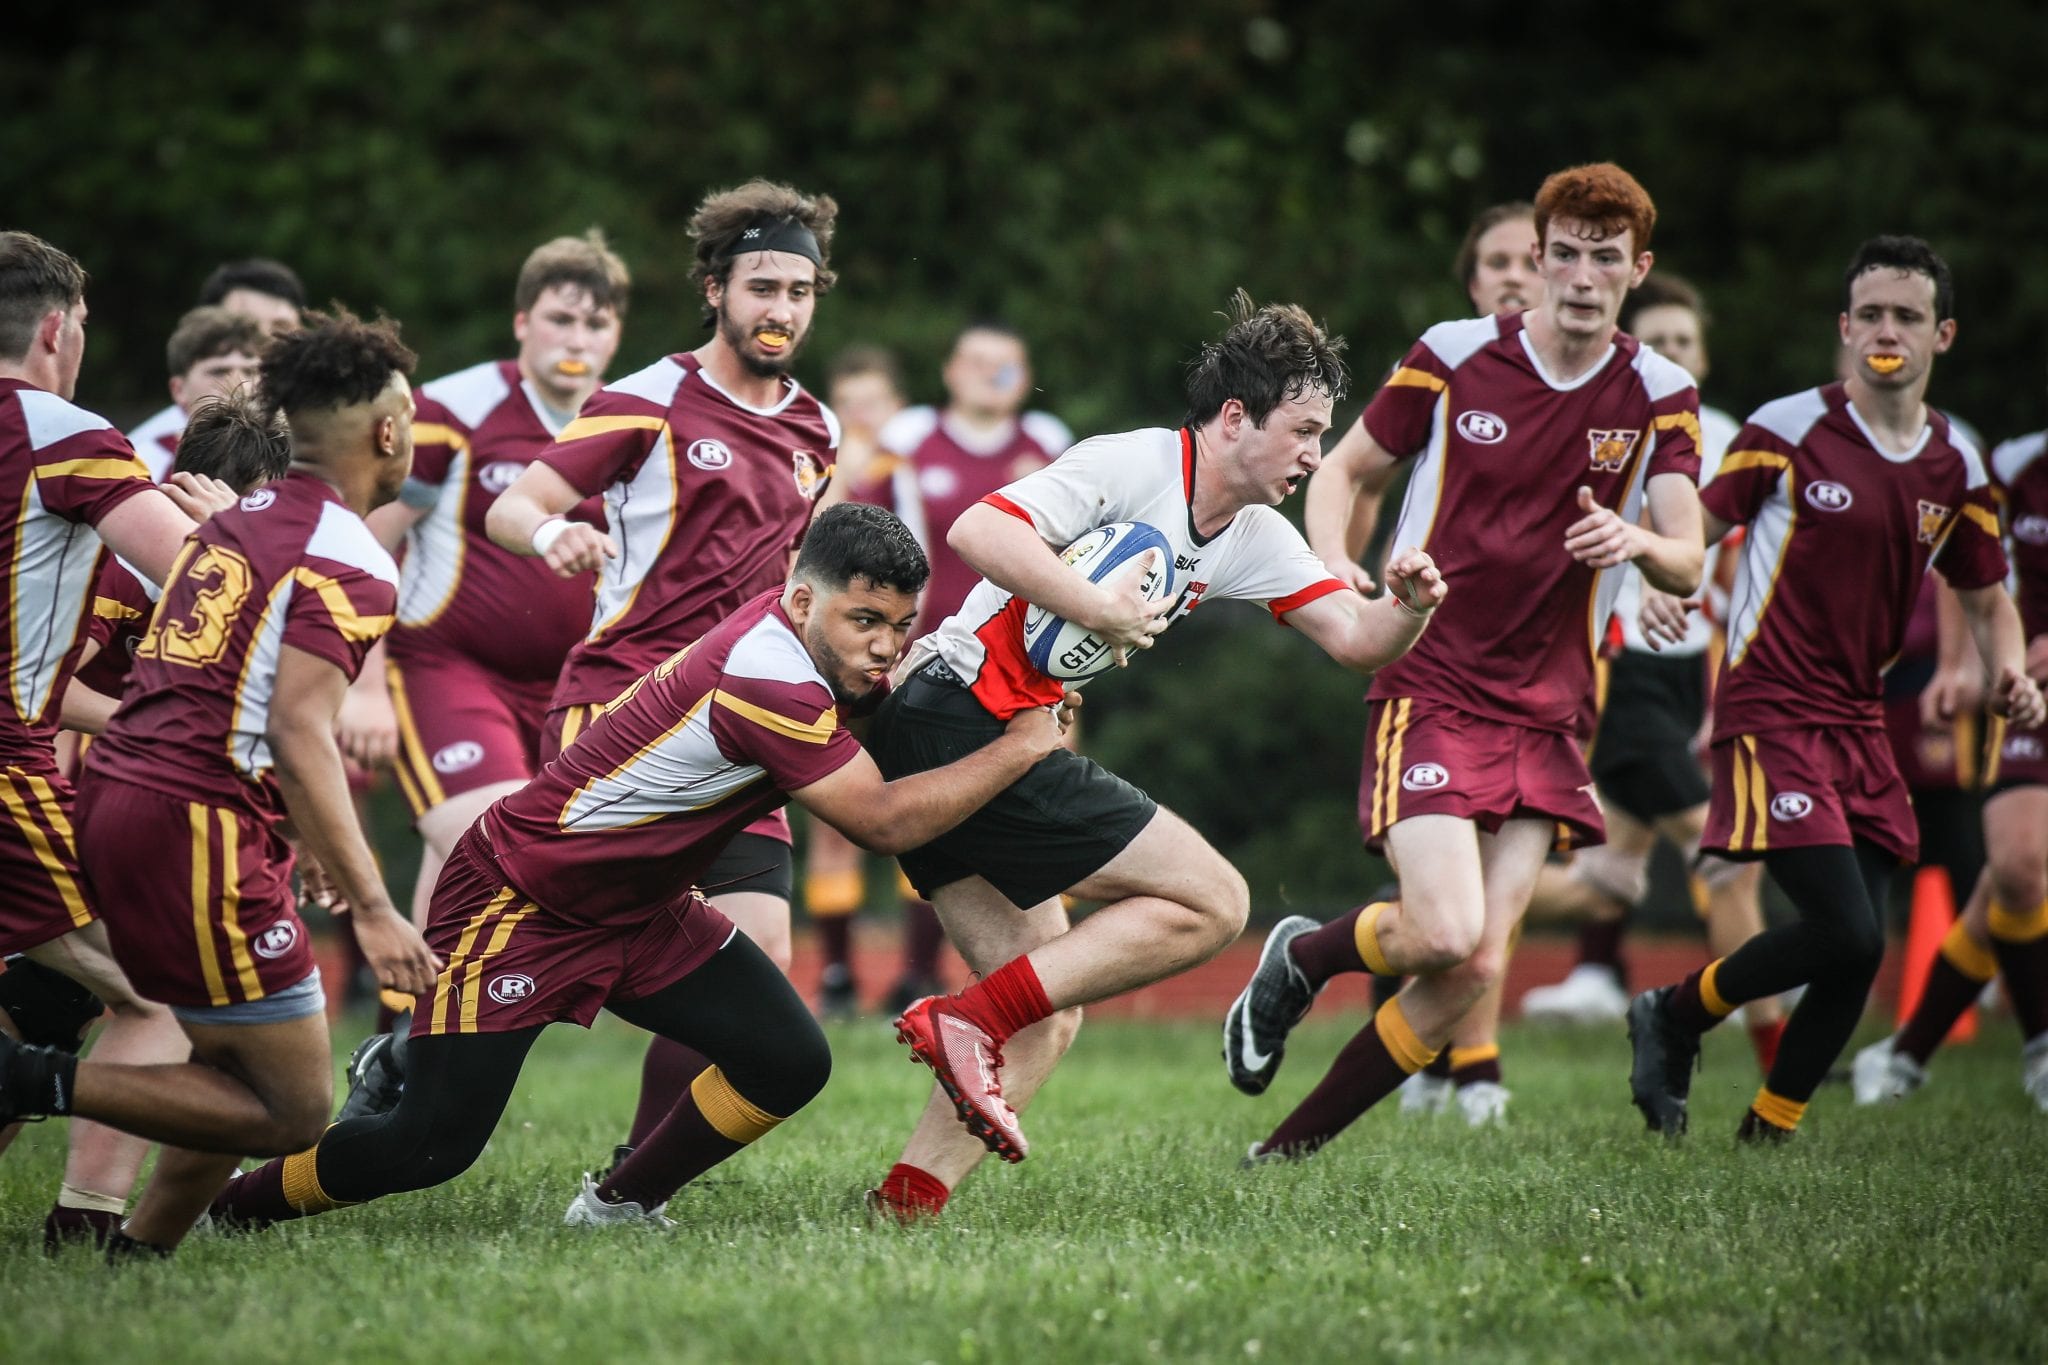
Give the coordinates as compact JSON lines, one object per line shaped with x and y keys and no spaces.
{"x":1642,"y":758}
{"x":1050,"y":830}
{"x":751,"y":862}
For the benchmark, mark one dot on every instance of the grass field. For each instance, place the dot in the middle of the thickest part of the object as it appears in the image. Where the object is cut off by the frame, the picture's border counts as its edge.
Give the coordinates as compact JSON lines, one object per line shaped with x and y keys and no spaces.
{"x":1913,"y":1233}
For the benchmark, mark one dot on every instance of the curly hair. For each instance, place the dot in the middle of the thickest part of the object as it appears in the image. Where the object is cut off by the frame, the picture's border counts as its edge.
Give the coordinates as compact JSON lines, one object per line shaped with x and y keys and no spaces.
{"x":719,"y":221}
{"x":208,"y":331}
{"x":1602,"y":196}
{"x":236,"y":439}
{"x":36,"y":279}
{"x":857,"y":540}
{"x":334,"y":361}
{"x":1266,"y":357}
{"x":586,"y":262}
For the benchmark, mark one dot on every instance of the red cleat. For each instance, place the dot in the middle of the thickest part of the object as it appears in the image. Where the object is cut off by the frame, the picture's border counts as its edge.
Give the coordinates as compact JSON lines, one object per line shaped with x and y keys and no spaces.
{"x":966,"y":1061}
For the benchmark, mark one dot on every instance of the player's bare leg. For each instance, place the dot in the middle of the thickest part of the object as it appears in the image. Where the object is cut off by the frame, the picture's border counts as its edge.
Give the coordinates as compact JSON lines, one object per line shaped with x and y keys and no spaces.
{"x":440,"y":827}
{"x":1598,"y":889}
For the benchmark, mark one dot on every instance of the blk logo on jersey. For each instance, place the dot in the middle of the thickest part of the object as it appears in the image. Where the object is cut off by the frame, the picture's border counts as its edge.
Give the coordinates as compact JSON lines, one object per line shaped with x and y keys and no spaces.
{"x":1828,"y":496}
{"x":1609,"y":450}
{"x":1791,"y":806}
{"x":259,"y":500}
{"x":709,"y":455}
{"x":1423,"y":777}
{"x":2032,"y":530}
{"x":460,"y":756}
{"x":276,"y":941}
{"x":1933,"y":516}
{"x":511,"y":988}
{"x":1482,"y":428}
{"x":499,"y":475}
{"x":810,"y":472}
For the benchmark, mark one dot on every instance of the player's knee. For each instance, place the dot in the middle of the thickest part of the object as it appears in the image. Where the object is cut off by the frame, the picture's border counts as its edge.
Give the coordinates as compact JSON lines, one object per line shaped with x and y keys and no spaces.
{"x":1442,"y":945}
{"x":1858,"y":950}
{"x":294,"y":1126}
{"x":2018,"y":882}
{"x":806,"y":1065}
{"x":1230,"y":907}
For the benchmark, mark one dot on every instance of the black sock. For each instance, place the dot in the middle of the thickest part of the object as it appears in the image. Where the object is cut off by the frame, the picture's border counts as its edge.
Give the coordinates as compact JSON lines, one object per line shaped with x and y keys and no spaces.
{"x":40,"y":1079}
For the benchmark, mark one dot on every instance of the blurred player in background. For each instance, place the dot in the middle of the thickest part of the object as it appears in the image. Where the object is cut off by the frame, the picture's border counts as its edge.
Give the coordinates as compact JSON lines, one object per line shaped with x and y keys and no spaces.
{"x":212,"y":353}
{"x":266,"y":292}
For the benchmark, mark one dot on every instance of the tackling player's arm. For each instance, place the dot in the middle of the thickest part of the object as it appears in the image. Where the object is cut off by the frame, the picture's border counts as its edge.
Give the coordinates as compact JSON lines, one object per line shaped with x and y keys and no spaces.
{"x":893,"y":817}
{"x":1343,"y":501}
{"x":305,"y":704}
{"x":532,"y":518}
{"x":148,"y":529}
{"x":1367,"y":634}
{"x":1994,"y":624}
{"x":1007,"y":551}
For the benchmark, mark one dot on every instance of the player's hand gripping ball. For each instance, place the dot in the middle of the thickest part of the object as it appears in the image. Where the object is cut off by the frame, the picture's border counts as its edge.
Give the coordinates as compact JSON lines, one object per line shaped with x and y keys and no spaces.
{"x":1061,"y":649}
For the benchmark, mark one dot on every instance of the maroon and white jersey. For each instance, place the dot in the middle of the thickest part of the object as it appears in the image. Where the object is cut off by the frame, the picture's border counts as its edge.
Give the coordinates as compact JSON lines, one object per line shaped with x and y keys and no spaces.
{"x":1146,"y":476}
{"x":1841,"y":533}
{"x":61,"y":469}
{"x":289,"y":565}
{"x":940,"y":470}
{"x":707,"y":498}
{"x":1501,"y":450}
{"x":122,"y":601}
{"x":628,"y":817}
{"x":1717,"y":429}
{"x":2022,"y":476}
{"x":156,"y":441}
{"x":475,"y":432}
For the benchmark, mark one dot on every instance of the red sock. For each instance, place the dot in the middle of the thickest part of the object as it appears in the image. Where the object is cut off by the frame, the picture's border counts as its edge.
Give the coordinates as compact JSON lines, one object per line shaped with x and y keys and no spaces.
{"x":1764,"y":1038}
{"x":911,"y":1193}
{"x":665,"y":1078}
{"x":1005,"y":1001}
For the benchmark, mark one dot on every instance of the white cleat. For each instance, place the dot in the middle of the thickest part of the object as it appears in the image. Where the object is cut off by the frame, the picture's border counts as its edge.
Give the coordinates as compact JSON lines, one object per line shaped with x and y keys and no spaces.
{"x":1879,"y":1073}
{"x":1591,"y":994}
{"x":1483,"y":1103}
{"x":1425,"y":1096}
{"x":2034,"y":1070}
{"x":586,"y":1210}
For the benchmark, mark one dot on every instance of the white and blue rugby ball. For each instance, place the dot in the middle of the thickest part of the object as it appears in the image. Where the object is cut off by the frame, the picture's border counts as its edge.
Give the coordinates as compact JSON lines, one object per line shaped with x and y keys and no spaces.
{"x":1060,"y":649}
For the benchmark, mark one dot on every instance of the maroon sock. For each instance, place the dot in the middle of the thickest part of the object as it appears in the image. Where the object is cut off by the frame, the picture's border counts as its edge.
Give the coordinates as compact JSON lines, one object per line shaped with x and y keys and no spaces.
{"x":255,"y":1198}
{"x":1005,"y":1001}
{"x":1439,"y":1067}
{"x":923,"y":936}
{"x":1689,"y":1001}
{"x":2025,"y":968}
{"x":1600,"y":943}
{"x":1472,"y":1073}
{"x":910,"y":1194}
{"x":1364,"y":1073}
{"x":665,"y":1078}
{"x":1331,"y":950}
{"x":1947,"y":994}
{"x":680,"y":1148}
{"x":66,"y":1226}
{"x":835,"y":939}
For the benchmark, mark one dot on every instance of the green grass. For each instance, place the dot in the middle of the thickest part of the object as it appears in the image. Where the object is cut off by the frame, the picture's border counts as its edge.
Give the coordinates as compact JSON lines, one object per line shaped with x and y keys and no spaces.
{"x":1912,"y":1233}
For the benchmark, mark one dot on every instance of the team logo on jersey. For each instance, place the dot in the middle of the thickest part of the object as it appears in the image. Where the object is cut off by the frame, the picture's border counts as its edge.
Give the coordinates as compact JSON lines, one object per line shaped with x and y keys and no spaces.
{"x":1828,"y":496}
{"x":511,"y":988}
{"x":937,"y":481}
{"x":710,"y":455}
{"x":1791,"y":806}
{"x":1482,"y":427}
{"x":460,"y":756}
{"x":1609,"y":450}
{"x":499,"y":475}
{"x":275,"y":941}
{"x":810,"y":472}
{"x":2032,"y":530}
{"x":2027,"y":748}
{"x":1425,"y":777}
{"x":259,"y":500}
{"x":1933,"y":516}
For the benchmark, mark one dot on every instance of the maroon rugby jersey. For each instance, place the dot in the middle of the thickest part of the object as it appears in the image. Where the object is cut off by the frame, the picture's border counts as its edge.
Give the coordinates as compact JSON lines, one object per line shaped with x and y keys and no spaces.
{"x":939,"y":471}
{"x":1840,"y":536}
{"x":630,"y":815}
{"x":2022,"y":475}
{"x":61,"y":469}
{"x":121,"y":607}
{"x":706,"y":496}
{"x":289,"y":565}
{"x":1501,"y":450}
{"x":476,"y":431}
{"x":156,"y":441}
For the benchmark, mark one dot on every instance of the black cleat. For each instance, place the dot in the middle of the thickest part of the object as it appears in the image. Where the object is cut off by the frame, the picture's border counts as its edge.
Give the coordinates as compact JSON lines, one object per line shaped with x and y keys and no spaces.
{"x":376,"y":1073}
{"x":1278,"y":995}
{"x":1666,"y":1054}
{"x":1758,"y":1131}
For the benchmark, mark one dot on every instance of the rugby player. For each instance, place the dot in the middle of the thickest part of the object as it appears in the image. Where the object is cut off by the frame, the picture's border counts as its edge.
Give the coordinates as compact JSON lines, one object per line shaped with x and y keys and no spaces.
{"x":1539,"y":438}
{"x":226,"y":731}
{"x":577,"y":892}
{"x":212,"y":352}
{"x":265,"y":291}
{"x":1259,"y":402}
{"x":1848,"y":492}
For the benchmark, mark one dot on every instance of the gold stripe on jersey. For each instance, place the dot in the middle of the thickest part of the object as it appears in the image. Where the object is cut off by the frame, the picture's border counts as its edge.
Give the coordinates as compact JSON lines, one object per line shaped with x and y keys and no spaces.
{"x":60,"y":825}
{"x":1739,"y":783}
{"x":1759,"y":798}
{"x":1681,"y":421}
{"x":426,"y":783}
{"x":130,"y":468}
{"x":1379,"y":765}
{"x":353,"y":625}
{"x":584,"y":427}
{"x":819,"y":731}
{"x":1984,"y":517}
{"x":1408,"y":377}
{"x":471,"y":978}
{"x":1736,"y":460}
{"x":39,"y":842}
{"x":202,"y":922}
{"x":1394,"y":761}
{"x":446,"y":983}
{"x":438,"y":434}
{"x":231,"y":906}
{"x":577,"y":719}
{"x":112,"y":609}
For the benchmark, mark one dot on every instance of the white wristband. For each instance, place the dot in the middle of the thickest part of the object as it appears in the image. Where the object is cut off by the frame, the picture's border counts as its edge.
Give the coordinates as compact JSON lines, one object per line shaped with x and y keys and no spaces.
{"x":547,"y":533}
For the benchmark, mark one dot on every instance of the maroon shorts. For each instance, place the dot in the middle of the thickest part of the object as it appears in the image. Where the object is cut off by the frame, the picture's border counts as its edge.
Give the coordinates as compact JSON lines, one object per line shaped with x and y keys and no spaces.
{"x":461,"y":727}
{"x":2019,"y":758}
{"x":203,"y":912}
{"x":1805,"y":788}
{"x":41,"y":895}
{"x":513,"y":964}
{"x":1426,"y":758}
{"x":564,"y":723}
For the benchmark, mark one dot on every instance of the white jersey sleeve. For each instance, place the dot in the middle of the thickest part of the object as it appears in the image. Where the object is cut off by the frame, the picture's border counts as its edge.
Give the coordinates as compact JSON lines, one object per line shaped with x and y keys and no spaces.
{"x":1103,"y":479}
{"x":1269,"y":563}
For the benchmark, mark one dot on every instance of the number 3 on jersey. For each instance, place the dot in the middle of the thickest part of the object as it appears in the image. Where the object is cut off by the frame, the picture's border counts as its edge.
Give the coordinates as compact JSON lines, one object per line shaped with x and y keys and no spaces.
{"x":201,"y":636}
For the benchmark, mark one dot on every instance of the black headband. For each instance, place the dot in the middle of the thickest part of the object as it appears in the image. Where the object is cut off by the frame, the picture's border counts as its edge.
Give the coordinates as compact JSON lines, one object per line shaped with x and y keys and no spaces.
{"x":777,"y":234}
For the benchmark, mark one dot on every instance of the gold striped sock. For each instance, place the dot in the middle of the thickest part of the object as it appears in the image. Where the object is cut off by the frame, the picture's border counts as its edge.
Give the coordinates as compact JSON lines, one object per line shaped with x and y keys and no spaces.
{"x":1968,"y":956}
{"x":1365,"y":931}
{"x":2018,"y":926}
{"x":1469,"y":1056}
{"x":1402,"y":1044}
{"x":1778,"y":1111}
{"x":1710,"y":996}
{"x":735,"y":1117}
{"x":302,"y":1184}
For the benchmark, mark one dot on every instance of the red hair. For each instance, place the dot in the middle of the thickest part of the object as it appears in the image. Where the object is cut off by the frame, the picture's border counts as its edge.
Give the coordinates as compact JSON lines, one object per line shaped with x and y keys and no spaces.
{"x":1604,"y":197}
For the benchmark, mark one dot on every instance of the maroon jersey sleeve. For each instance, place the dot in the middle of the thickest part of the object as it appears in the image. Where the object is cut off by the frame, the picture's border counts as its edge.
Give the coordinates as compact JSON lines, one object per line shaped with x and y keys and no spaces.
{"x":436,"y":436}
{"x":88,"y":474}
{"x":1972,"y":556}
{"x":607,"y":442}
{"x":1753,"y":466}
{"x":791,"y":731}
{"x":1677,"y":424}
{"x":337,"y":612}
{"x":1400,"y":414}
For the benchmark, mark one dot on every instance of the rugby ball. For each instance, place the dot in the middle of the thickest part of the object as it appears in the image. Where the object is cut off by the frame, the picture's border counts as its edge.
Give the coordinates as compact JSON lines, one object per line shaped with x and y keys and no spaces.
{"x":1062,"y":650}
